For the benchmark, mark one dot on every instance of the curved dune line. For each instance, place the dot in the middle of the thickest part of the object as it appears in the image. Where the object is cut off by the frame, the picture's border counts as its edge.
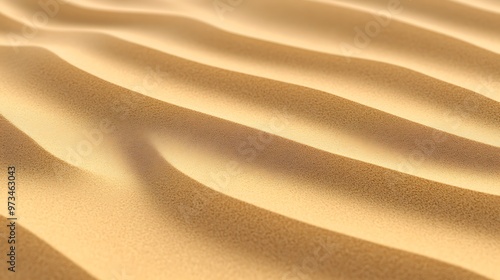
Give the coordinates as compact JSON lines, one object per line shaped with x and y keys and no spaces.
{"x":211,"y":32}
{"x":45,"y":262}
{"x":483,"y":62}
{"x":346,"y":117}
{"x":224,"y":214}
{"x":145,"y":167}
{"x":444,"y":95}
{"x":451,"y":11}
{"x":399,"y":43}
{"x":180,"y":119}
{"x":478,"y":85}
{"x":452,"y":199}
{"x":34,"y":159}
{"x":442,"y":17}
{"x":292,"y":159}
{"x":293,"y":240}
{"x":420,"y":85}
{"x":388,"y":162}
{"x":485,"y":5}
{"x":448,"y":10}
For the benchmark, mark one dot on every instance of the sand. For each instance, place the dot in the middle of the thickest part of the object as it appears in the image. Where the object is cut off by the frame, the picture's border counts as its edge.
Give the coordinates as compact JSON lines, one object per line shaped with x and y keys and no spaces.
{"x":251,"y":139}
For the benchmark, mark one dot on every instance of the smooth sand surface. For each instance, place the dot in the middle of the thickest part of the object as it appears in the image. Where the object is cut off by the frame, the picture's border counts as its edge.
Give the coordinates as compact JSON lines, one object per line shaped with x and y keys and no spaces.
{"x":164,"y":139}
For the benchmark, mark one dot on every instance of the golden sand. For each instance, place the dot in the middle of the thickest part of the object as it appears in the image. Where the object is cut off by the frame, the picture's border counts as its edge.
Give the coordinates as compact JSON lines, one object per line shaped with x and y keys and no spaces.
{"x":251,"y":139}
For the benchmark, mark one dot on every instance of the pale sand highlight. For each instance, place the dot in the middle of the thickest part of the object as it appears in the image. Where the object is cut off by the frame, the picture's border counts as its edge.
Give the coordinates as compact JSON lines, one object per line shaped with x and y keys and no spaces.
{"x":143,"y":203}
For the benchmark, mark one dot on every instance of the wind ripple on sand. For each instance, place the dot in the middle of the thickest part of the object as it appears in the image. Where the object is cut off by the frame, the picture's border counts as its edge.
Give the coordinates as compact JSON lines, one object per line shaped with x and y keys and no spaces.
{"x":338,"y":172}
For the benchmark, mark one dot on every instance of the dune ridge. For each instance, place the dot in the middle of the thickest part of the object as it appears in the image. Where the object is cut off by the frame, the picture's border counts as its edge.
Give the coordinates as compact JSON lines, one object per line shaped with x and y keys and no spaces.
{"x":385,"y":164}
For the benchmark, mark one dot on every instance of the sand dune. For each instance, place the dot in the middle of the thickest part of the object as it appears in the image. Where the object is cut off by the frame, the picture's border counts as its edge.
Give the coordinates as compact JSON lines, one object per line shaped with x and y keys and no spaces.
{"x":171,"y":140}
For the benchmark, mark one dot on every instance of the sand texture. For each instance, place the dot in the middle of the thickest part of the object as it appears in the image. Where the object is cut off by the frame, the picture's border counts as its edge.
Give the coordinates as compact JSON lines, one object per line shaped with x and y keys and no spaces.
{"x":251,"y":139}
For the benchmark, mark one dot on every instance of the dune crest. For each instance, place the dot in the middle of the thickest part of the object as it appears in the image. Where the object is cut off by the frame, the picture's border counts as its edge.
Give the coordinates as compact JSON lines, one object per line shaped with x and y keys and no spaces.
{"x":241,"y":139}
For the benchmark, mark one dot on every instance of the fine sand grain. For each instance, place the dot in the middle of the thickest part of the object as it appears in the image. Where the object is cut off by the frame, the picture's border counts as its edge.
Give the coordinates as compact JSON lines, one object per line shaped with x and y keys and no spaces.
{"x":251,"y":139}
